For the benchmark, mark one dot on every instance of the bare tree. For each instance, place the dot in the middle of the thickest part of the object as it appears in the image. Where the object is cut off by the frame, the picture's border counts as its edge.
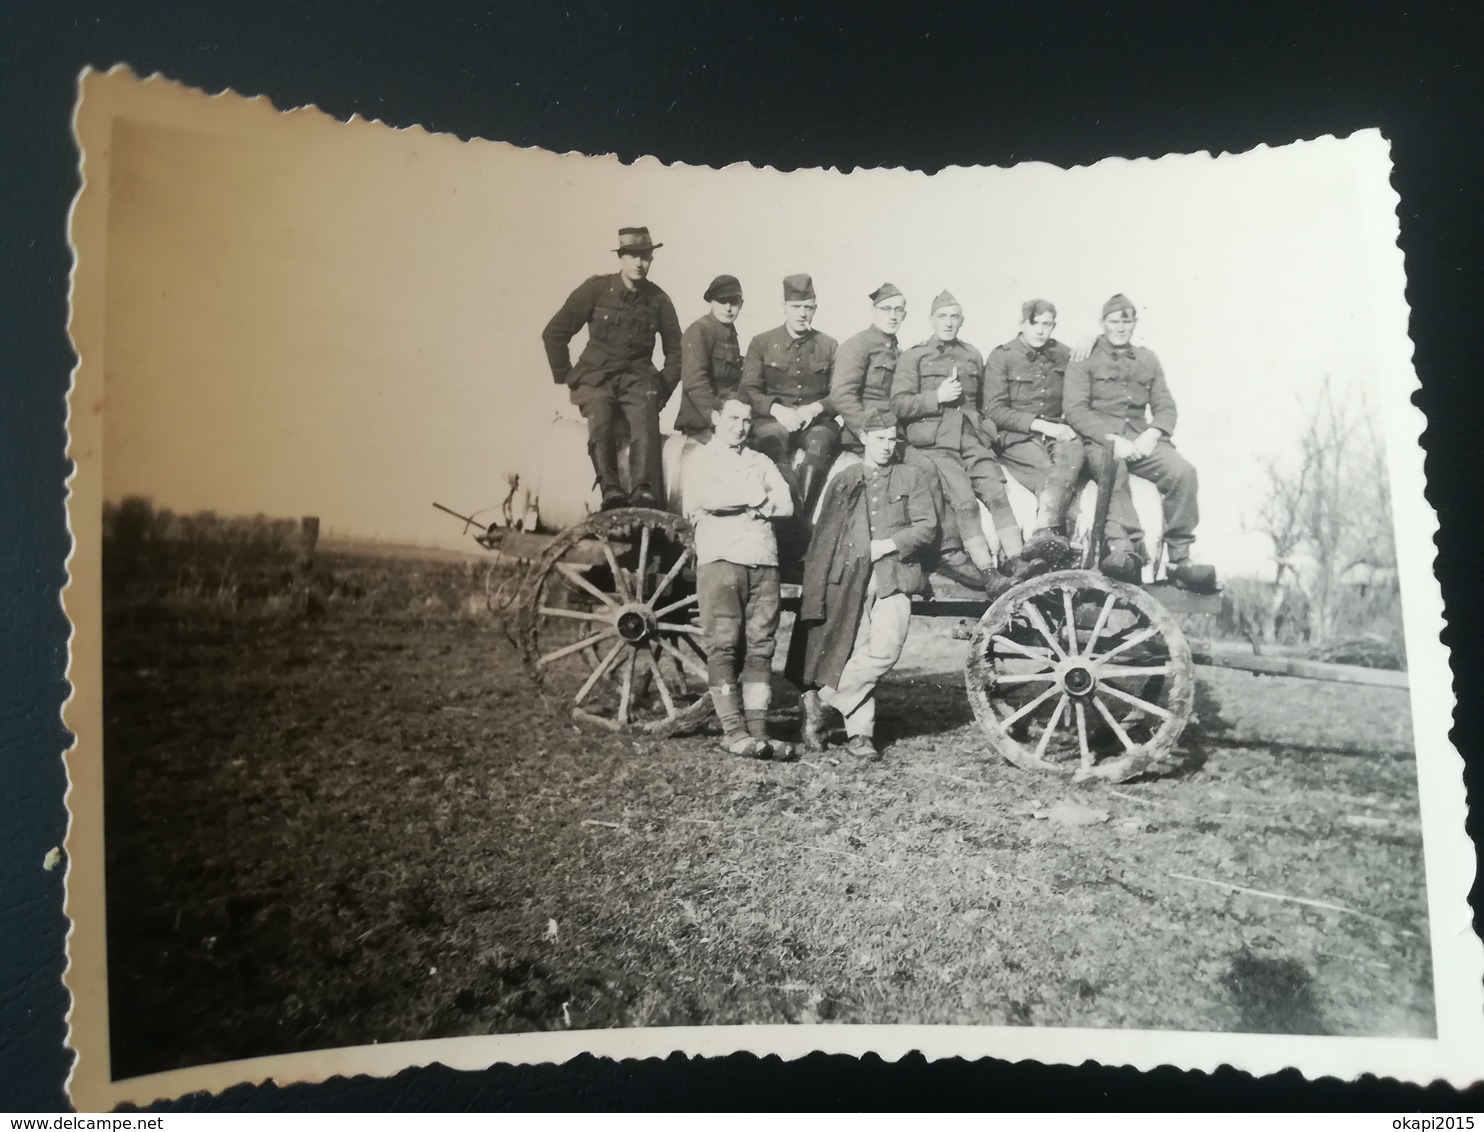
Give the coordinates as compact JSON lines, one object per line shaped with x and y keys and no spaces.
{"x":1327,"y":507}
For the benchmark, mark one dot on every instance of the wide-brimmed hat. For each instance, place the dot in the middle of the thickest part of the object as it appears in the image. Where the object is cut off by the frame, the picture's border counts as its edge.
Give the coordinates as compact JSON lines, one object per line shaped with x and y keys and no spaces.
{"x":633,"y":240}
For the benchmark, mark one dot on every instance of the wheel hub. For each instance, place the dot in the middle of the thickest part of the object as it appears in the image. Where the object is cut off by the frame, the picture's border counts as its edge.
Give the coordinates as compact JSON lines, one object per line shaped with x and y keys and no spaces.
{"x":635,"y":624}
{"x":1078,"y":680}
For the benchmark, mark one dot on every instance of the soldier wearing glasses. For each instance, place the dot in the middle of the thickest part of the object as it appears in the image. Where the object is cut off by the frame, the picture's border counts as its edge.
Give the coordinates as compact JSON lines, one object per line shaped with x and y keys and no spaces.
{"x":1023,"y":382}
{"x":1118,"y":397}
{"x":865,"y":363}
{"x":614,"y":382}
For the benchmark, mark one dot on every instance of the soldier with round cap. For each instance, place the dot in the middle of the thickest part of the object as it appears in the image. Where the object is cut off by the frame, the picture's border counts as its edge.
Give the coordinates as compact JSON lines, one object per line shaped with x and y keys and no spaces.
{"x":876,"y":519}
{"x":1118,"y":397}
{"x":935,"y":393}
{"x":614,"y":382}
{"x":1023,"y":382}
{"x":710,"y":359}
{"x":786,"y":376}
{"x":866,"y":362}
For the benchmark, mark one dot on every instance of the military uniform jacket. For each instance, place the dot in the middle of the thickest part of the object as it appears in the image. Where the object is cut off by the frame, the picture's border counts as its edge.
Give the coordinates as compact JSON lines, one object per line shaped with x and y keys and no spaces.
{"x":864,"y":367}
{"x":894,"y":502}
{"x":914,"y":392}
{"x":621,"y":328}
{"x":782,"y":369}
{"x":710,"y":369}
{"x":1120,"y":391}
{"x":1023,"y":383}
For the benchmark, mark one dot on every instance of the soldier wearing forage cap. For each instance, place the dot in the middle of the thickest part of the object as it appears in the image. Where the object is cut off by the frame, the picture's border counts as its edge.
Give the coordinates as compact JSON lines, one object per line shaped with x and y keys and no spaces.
{"x":875,"y":520}
{"x":866,"y":362}
{"x":935,"y":393}
{"x":786,"y":376}
{"x":1023,"y":397}
{"x":1118,"y":396}
{"x":615,"y":382}
{"x":710,"y":359}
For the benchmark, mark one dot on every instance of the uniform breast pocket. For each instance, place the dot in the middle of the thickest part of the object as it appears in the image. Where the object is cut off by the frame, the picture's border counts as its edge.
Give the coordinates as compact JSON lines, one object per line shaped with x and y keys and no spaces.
{"x":897,"y":511}
{"x":1138,"y":388}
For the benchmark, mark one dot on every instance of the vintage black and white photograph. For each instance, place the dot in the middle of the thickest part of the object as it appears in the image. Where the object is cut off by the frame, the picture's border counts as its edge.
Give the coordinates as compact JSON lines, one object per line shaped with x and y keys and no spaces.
{"x":521,"y":593}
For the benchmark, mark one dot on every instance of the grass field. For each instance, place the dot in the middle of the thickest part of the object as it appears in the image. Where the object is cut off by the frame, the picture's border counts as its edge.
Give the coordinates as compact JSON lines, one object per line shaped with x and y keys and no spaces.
{"x":364,"y":825}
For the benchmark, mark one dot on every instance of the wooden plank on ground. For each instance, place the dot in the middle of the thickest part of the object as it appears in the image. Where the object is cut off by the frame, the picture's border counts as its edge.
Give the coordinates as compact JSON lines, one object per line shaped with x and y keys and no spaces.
{"x":1305,"y":669}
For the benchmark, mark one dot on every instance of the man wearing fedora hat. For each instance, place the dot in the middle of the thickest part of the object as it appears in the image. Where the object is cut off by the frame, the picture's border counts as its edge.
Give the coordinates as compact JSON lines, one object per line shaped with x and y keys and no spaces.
{"x":786,"y":376}
{"x":614,"y":382}
{"x":710,"y":359}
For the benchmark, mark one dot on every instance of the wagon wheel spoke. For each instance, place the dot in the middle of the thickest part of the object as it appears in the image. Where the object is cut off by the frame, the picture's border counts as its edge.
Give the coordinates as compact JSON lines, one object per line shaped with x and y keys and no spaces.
{"x":1097,"y":630}
{"x":1137,"y":639}
{"x":680,"y":658}
{"x":1082,"y":733}
{"x":626,"y":688}
{"x":659,"y":680}
{"x":669,"y":577}
{"x":679,"y":627}
{"x":1024,"y":677}
{"x":1030,"y":707}
{"x":576,"y":646}
{"x":1142,"y":705}
{"x":1061,"y":706}
{"x":574,"y":614}
{"x":643,"y":563}
{"x":1034,"y":616}
{"x":1117,"y":727}
{"x":681,"y":604}
{"x":575,"y":578}
{"x":604,"y":666}
{"x":619,"y":583}
{"x":1115,"y":671}
{"x":1066,"y":605}
{"x":1015,"y":646}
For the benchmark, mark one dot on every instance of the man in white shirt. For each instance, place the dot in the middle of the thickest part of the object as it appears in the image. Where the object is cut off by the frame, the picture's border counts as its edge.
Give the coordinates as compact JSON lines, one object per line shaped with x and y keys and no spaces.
{"x":731,"y":495}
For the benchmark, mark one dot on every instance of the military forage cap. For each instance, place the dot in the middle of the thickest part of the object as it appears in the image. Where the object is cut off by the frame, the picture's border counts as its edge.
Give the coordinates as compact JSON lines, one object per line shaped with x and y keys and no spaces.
{"x":635,"y":240}
{"x":1032,"y":309}
{"x":944,"y":299}
{"x":1119,"y":303}
{"x":723,"y":287}
{"x":879,"y":417}
{"x":884,"y":292}
{"x":798,"y":289}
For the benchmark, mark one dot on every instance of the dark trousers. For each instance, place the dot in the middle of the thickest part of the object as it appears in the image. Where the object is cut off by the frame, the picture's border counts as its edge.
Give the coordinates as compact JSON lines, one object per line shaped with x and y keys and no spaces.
{"x":971,"y":473}
{"x":613,"y":405}
{"x":1050,"y":469}
{"x":739,"y":621}
{"x":820,"y":441}
{"x":1176,"y":479}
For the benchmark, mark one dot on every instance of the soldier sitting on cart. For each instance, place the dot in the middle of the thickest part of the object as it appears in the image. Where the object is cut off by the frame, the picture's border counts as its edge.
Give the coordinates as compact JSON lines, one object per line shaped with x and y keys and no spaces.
{"x":1118,"y":397}
{"x":710,"y":359}
{"x":866,"y":362}
{"x":614,"y":382}
{"x":935,"y":393}
{"x":786,"y":376}
{"x":1023,"y":399}
{"x":862,"y":566}
{"x":731,"y":495}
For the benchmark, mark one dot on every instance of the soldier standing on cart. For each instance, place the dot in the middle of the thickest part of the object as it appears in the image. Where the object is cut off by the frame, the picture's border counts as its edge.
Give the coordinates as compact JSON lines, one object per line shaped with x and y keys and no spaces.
{"x":935,"y":393}
{"x":1118,"y":397}
{"x":860,"y":571}
{"x":1023,"y":399}
{"x":710,"y":359}
{"x":786,"y":376}
{"x":731,"y":494}
{"x":615,"y":383}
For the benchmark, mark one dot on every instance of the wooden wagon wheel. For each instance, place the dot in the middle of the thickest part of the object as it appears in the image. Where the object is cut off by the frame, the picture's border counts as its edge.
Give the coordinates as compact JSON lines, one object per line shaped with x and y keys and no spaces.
{"x":608,"y":623}
{"x":1076,"y":673}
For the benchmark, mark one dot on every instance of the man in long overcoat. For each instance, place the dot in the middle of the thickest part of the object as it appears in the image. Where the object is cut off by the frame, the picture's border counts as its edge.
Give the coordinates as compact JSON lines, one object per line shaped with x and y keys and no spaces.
{"x":860,"y":571}
{"x":615,"y":383}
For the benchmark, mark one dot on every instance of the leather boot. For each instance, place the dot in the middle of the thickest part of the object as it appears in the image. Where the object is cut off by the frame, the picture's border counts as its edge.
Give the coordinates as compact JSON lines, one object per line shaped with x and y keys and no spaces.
{"x":1190,"y":576}
{"x":602,"y":448}
{"x":810,"y":477}
{"x":811,"y":721}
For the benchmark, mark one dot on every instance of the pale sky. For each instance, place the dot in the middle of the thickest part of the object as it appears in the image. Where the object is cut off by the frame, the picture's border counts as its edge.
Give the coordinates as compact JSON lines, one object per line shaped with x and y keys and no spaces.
{"x":311,"y":317}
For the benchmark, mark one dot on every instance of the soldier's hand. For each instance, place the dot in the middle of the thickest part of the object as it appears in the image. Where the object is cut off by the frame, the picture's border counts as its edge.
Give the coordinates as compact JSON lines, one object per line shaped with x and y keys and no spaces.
{"x":1054,"y":429}
{"x":785,"y":416}
{"x":951,"y":389}
{"x":1084,"y":347}
{"x":1147,"y":442}
{"x":881,"y":547}
{"x":1123,"y":449}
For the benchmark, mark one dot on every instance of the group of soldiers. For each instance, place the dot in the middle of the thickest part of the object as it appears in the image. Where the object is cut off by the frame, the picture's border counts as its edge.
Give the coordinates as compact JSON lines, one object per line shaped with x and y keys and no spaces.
{"x":770,"y":424}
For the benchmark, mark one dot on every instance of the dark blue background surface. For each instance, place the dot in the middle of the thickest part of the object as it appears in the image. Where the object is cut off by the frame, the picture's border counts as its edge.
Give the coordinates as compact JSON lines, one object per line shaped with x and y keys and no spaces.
{"x":817,"y":84}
